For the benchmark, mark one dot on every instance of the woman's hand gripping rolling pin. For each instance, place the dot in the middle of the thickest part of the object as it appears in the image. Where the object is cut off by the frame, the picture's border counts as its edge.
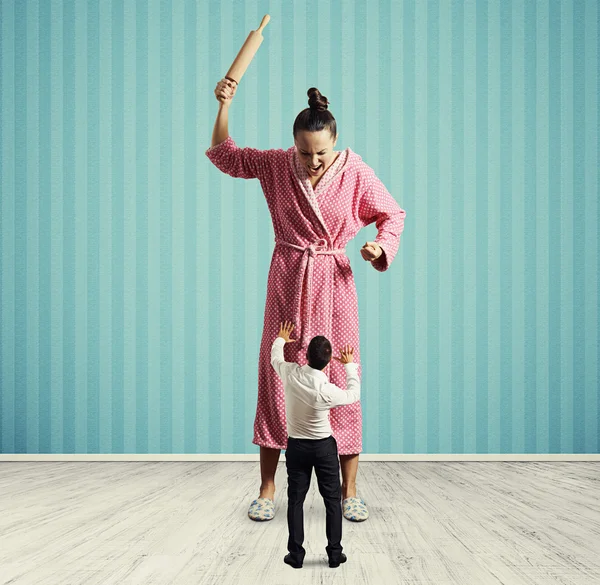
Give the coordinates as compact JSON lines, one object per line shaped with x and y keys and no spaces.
{"x":225,"y":91}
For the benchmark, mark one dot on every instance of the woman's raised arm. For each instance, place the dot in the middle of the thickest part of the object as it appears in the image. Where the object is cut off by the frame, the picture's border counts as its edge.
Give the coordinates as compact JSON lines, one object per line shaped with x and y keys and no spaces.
{"x":224,"y":93}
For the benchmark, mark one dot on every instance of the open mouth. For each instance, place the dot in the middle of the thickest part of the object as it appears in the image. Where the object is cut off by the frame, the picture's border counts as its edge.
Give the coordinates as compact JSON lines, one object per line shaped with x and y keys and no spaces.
{"x":314,"y":170}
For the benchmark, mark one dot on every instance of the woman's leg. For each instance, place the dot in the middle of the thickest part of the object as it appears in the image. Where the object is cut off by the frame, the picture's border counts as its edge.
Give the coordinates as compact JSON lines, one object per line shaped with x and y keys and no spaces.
{"x":268,"y":466}
{"x":349,"y":465}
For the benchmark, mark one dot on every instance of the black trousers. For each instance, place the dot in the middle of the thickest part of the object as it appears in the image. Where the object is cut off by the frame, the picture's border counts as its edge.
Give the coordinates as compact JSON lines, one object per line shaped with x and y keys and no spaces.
{"x":300,"y":458}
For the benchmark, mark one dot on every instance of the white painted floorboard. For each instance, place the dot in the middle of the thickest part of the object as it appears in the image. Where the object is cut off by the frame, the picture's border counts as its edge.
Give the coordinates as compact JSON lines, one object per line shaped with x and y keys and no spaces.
{"x":184,"y":523}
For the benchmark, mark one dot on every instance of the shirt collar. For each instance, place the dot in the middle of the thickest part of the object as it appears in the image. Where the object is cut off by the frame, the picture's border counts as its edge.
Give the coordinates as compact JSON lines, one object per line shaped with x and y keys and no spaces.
{"x":319,"y":374}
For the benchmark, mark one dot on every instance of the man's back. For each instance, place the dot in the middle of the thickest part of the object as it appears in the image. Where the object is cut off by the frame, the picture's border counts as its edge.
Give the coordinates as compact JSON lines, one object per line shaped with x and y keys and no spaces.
{"x":309,"y":395}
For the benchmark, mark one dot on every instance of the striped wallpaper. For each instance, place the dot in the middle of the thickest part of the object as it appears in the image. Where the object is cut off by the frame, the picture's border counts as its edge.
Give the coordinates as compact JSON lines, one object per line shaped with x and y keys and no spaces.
{"x":133,"y":274}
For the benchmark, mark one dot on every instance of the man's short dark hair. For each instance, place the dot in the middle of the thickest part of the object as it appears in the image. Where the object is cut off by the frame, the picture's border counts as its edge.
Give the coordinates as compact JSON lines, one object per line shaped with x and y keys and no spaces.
{"x":318,"y":353}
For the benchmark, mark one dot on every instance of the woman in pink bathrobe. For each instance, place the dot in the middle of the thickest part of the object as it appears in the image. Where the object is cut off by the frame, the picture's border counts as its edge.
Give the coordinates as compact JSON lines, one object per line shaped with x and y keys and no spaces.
{"x":319,"y":199}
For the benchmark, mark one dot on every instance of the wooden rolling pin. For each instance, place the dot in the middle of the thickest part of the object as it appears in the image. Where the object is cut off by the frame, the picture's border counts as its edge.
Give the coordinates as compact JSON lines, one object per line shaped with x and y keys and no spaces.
{"x":247,"y":52}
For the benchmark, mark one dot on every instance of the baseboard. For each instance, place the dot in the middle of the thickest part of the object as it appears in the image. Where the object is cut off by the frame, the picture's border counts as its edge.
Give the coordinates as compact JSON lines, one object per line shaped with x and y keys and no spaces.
{"x":254,"y":457}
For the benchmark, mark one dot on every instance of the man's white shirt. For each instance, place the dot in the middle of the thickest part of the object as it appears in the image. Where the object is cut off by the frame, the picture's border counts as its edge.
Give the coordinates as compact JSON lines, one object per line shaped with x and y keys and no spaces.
{"x":309,"y":395}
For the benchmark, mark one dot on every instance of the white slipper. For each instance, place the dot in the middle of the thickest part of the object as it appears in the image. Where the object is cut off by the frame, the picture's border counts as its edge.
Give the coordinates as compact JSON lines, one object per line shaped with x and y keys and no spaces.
{"x":261,"y":509}
{"x":355,"y":509}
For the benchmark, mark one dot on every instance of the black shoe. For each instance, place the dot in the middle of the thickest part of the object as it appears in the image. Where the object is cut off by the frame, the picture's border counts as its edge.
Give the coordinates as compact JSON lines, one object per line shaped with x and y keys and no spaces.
{"x":289,"y":560}
{"x":334,"y":563}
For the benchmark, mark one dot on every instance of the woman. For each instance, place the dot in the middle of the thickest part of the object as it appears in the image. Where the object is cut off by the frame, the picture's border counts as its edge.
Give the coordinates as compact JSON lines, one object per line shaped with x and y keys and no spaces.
{"x":318,"y":199}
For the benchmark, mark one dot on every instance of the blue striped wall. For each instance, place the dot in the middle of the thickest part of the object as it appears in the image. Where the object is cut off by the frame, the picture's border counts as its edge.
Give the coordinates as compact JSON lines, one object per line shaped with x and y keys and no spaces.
{"x":133,"y":274}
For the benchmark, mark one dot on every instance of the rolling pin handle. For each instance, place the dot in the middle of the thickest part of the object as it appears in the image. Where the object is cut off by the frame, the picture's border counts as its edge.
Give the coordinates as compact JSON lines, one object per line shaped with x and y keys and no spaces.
{"x":263,"y":23}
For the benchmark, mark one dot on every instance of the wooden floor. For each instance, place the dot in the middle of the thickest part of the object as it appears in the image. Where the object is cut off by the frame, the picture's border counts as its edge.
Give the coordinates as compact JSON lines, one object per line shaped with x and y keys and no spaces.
{"x":185,"y":523}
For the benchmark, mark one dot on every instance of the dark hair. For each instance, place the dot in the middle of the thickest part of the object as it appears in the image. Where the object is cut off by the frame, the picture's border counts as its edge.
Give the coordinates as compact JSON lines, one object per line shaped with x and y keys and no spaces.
{"x":316,"y":117}
{"x":318,"y":353}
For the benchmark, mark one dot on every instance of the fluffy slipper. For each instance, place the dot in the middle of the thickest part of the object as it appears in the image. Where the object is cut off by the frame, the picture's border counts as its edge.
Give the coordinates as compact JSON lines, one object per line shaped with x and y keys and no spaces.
{"x":261,"y":509}
{"x":355,"y":509}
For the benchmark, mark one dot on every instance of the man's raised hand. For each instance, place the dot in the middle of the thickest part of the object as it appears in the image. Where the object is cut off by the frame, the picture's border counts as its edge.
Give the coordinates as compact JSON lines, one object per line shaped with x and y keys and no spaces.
{"x":346,"y":355}
{"x":285,"y":330}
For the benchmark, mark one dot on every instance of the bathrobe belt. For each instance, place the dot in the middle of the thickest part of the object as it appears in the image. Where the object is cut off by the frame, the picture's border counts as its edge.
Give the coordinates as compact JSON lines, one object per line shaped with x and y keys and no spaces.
{"x":319,"y":248}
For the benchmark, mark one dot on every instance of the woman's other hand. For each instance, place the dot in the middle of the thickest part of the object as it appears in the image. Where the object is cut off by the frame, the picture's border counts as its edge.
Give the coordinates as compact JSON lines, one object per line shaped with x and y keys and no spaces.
{"x":371,"y":251}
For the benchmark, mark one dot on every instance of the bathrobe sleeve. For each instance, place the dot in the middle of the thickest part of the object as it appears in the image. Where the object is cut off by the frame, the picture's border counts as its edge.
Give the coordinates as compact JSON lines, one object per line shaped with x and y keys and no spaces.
{"x":379,"y":207}
{"x":244,"y":163}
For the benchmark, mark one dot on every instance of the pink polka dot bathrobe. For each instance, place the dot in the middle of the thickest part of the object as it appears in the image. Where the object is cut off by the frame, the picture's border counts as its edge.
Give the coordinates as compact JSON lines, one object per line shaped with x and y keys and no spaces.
{"x":310,"y":280}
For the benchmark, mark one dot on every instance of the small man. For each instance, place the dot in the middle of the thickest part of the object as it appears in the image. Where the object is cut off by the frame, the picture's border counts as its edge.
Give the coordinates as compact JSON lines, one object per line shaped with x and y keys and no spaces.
{"x":308,"y":397}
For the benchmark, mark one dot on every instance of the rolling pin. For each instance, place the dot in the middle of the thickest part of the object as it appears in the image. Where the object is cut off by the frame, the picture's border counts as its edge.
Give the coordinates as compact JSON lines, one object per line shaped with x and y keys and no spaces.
{"x":247,"y":52}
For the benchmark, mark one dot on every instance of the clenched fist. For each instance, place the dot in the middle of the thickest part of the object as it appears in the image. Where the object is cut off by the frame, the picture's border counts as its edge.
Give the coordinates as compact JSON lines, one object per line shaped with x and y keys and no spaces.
{"x":371,"y":251}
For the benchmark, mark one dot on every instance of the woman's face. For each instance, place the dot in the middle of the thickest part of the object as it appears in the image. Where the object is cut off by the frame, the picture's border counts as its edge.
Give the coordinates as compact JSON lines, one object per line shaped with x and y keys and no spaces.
{"x":315,"y":150}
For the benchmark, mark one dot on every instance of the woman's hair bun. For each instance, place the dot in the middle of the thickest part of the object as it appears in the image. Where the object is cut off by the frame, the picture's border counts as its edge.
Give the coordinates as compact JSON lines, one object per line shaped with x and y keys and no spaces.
{"x":316,"y":101}
{"x":316,"y":117}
